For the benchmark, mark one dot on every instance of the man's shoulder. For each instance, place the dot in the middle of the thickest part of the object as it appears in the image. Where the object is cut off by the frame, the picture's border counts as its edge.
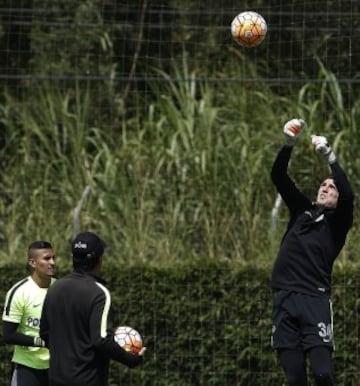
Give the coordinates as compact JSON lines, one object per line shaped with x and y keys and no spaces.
{"x":18,"y":297}
{"x":78,"y":283}
{"x":73,"y":278}
{"x":56,"y":281}
{"x":19,"y":285}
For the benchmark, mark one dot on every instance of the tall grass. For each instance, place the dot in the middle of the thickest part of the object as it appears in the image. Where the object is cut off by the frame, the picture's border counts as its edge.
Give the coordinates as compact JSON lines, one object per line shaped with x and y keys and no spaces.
{"x":188,"y":176}
{"x":51,"y":153}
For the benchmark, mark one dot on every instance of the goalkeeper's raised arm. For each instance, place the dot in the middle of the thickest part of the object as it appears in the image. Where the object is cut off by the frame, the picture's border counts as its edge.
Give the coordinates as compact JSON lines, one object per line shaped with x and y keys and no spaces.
{"x":344,"y":202}
{"x":301,"y":276}
{"x":292,"y":196}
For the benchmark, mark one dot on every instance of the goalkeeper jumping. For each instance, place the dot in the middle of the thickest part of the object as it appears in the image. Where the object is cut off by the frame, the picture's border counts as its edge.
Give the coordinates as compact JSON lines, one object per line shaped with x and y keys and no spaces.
{"x":301,"y":276}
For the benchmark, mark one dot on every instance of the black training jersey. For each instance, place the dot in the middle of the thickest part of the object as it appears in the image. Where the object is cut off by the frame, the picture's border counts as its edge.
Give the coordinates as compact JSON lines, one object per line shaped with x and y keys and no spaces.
{"x":76,"y":326}
{"x":314,"y":236}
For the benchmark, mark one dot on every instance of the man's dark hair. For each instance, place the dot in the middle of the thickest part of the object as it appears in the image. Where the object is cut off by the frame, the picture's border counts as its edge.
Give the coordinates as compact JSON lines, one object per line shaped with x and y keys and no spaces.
{"x":35,"y":245}
{"x":334,"y":179}
{"x":40,"y":244}
{"x":330,"y":177}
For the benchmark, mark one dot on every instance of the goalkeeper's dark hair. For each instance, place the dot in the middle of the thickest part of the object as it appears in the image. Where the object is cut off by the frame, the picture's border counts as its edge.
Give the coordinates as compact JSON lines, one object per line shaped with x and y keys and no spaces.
{"x":334,"y":179}
{"x":330,"y":176}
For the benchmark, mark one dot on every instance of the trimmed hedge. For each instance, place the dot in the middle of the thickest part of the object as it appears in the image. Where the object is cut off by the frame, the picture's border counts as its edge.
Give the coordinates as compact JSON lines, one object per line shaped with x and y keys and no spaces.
{"x":209,"y":323}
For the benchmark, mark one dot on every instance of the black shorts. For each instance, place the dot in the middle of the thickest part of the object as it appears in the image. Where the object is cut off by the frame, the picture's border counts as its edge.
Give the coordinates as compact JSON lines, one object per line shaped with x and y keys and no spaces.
{"x":26,"y":376}
{"x":301,"y":321}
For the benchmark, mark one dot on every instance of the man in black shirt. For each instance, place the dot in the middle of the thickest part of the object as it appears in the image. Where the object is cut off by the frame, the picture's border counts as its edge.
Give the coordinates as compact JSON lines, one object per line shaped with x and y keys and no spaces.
{"x":76,"y":323}
{"x":301,"y":276}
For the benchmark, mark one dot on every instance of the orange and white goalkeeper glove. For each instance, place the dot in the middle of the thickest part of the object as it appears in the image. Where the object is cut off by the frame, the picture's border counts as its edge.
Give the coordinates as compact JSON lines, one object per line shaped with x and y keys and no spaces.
{"x":322,"y":146}
{"x":292,"y":130}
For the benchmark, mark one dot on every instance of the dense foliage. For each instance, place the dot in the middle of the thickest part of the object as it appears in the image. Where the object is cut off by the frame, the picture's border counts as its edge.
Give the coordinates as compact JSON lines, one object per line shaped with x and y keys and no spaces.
{"x":188,"y":179}
{"x":144,"y":122}
{"x":175,"y":149}
{"x":208,"y":323}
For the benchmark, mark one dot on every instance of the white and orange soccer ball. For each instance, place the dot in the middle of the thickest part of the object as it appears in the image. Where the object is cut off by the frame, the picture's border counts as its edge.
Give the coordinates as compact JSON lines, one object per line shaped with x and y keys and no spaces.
{"x":248,"y":29}
{"x":128,"y":338}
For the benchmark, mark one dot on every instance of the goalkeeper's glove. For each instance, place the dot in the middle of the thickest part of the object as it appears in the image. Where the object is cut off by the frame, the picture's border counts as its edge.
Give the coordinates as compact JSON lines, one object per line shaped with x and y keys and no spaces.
{"x":38,"y":342}
{"x":322,"y":146}
{"x":292,"y":130}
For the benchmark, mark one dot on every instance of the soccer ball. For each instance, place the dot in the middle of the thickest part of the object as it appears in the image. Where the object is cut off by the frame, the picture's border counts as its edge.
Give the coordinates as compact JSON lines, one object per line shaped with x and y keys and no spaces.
{"x":128,"y":338}
{"x":248,"y":29}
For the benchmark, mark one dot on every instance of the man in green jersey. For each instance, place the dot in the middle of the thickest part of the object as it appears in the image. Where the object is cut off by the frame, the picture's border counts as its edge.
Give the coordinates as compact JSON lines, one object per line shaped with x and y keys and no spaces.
{"x":21,"y":318}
